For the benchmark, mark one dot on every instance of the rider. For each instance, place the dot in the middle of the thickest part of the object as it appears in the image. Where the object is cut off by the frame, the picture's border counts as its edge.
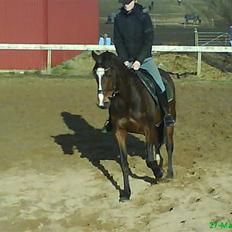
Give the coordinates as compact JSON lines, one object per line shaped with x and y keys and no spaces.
{"x":133,"y":39}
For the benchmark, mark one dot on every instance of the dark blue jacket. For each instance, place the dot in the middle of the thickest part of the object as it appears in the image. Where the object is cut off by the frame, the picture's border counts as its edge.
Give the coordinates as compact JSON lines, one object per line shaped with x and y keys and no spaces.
{"x":133,"y":34}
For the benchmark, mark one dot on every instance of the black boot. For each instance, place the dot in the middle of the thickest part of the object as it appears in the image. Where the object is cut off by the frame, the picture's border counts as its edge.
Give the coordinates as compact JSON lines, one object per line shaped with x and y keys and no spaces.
{"x":168,"y":117}
{"x":107,"y":126}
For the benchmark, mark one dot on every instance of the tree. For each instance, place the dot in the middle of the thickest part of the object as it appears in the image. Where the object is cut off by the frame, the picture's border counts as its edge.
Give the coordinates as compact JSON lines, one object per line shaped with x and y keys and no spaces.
{"x":223,"y":8}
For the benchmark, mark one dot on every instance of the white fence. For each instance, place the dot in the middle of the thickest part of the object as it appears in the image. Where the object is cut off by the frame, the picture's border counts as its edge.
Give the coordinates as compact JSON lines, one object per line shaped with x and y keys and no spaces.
{"x":211,"y":38}
{"x":65,"y":47}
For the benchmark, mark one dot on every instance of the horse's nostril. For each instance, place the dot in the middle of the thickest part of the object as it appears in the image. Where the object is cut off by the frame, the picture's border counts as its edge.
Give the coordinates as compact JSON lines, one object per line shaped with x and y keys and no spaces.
{"x":103,"y":107}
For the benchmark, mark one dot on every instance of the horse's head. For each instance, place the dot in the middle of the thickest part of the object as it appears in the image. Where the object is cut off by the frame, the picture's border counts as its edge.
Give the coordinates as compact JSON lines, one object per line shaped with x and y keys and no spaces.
{"x":105,"y":76}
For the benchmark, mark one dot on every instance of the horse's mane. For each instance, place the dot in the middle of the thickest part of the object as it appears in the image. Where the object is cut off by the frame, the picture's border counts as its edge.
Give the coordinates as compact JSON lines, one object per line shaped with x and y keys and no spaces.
{"x":118,"y":64}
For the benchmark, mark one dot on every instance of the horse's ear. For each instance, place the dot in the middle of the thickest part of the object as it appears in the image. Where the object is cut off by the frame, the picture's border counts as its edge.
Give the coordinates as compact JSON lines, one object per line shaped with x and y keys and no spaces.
{"x":95,"y":56}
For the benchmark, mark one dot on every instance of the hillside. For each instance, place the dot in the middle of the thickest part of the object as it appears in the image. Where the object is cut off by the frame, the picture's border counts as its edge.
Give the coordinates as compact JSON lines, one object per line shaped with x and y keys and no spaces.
{"x":168,"y":19}
{"x":168,"y":10}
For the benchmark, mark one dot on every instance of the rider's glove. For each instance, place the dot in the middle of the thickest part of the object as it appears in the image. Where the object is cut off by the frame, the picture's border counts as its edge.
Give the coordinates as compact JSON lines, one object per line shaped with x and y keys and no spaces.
{"x":127,"y":63}
{"x":136,"y":65}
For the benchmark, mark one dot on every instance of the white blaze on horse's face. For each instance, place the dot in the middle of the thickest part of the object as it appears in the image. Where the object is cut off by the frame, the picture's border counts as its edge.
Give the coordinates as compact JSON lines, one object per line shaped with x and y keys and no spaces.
{"x":100,"y":73}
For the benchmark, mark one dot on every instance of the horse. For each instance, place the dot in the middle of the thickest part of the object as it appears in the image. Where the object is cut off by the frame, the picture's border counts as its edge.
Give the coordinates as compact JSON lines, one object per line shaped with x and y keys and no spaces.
{"x":133,"y":110}
{"x":192,"y":17}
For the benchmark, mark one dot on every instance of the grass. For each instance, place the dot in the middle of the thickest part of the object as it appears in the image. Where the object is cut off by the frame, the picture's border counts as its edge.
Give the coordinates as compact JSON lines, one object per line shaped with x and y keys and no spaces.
{"x":78,"y":66}
{"x":82,"y":65}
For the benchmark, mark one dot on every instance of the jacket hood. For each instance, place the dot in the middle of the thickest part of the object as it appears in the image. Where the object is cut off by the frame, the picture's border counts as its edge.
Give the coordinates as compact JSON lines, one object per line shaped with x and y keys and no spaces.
{"x":137,"y":9}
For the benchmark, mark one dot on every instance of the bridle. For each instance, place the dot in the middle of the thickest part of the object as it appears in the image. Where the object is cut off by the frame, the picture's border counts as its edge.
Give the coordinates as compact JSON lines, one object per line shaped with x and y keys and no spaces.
{"x":114,"y":92}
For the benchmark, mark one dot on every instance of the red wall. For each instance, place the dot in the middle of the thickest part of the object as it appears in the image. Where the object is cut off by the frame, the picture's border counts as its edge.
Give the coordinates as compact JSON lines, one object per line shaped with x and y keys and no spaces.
{"x":22,"y":22}
{"x":72,"y":22}
{"x":45,"y":21}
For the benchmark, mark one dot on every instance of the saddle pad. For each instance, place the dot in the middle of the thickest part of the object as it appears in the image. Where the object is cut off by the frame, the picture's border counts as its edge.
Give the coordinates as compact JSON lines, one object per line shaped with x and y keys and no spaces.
{"x":147,"y":81}
{"x":151,"y":85}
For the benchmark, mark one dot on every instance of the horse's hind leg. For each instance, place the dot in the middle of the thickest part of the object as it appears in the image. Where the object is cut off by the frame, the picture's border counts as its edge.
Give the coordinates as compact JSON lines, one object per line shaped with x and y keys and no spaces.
{"x":150,"y":160}
{"x":169,"y":148}
{"x":121,"y":138}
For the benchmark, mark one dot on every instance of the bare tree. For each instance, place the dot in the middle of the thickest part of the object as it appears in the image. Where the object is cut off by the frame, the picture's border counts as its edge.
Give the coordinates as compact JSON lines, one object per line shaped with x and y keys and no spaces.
{"x":223,"y":8}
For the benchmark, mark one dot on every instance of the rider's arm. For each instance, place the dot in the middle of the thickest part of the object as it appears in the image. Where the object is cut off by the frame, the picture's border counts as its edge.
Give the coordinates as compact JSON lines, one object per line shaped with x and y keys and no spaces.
{"x":119,"y":43}
{"x":148,"y":38}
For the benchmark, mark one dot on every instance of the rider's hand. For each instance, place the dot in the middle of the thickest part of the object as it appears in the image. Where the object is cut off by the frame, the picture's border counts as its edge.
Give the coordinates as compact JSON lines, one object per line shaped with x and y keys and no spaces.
{"x":136,"y":65}
{"x":127,"y":63}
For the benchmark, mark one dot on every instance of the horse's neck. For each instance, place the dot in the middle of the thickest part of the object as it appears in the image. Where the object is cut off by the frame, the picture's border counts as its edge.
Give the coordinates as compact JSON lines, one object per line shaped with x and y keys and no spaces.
{"x":124,"y":82}
{"x":124,"y":78}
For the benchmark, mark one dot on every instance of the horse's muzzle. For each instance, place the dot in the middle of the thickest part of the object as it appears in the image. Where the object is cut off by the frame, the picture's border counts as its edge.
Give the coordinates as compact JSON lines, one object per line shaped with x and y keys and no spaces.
{"x":103,"y":107}
{"x":102,"y":104}
{"x":101,"y":97}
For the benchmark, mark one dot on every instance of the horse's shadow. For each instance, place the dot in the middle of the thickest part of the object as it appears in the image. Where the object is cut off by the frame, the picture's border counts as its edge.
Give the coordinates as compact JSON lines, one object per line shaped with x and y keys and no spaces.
{"x":96,"y":146}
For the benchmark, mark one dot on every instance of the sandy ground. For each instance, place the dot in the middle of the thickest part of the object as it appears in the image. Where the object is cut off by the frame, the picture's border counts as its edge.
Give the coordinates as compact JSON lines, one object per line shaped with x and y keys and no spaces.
{"x":59,"y":173}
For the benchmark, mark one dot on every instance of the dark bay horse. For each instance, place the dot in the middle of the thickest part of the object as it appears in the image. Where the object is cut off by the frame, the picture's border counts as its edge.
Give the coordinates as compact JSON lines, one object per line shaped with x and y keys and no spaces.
{"x":133,"y":110}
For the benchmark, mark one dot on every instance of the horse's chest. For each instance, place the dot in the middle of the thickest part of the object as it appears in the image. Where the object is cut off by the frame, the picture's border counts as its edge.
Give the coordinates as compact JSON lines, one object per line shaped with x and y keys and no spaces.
{"x":130,"y":124}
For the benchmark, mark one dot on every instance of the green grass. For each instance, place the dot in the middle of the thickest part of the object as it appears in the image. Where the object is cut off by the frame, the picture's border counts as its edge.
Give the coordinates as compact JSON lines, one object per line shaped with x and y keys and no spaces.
{"x":82,"y":65}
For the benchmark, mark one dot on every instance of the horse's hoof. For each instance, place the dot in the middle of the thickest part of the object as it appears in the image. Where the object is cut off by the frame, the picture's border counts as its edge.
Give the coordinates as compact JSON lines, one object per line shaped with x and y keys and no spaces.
{"x":170,"y":175}
{"x":158,"y":173}
{"x":153,"y":182}
{"x":124,"y":199}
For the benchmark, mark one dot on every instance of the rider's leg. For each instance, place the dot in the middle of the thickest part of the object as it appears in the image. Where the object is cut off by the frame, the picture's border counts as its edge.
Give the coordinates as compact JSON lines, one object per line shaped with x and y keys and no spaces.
{"x":150,"y":66}
{"x":163,"y":100}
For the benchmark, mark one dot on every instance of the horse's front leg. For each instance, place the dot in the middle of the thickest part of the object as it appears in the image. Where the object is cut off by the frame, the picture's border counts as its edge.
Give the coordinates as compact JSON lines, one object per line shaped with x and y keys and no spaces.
{"x":121,"y":138}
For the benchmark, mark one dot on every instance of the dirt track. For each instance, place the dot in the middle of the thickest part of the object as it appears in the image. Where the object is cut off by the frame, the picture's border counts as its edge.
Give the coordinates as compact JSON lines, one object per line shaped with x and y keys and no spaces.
{"x":44,"y":188}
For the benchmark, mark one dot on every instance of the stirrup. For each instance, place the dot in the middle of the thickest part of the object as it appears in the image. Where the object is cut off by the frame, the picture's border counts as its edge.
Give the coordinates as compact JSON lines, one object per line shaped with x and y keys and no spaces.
{"x":169,"y":120}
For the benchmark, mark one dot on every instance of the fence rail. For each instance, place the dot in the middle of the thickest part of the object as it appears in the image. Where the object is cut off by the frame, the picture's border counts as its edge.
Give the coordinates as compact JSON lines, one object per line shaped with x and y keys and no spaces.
{"x":155,"y":48}
{"x":213,"y":38}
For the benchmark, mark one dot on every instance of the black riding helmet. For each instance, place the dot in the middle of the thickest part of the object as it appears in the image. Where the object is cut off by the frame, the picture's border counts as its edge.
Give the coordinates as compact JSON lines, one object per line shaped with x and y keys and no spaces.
{"x":125,"y":2}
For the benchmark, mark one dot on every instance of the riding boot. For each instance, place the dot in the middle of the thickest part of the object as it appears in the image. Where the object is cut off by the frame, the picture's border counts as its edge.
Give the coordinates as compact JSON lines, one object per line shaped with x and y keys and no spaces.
{"x":169,"y":120}
{"x":107,"y":126}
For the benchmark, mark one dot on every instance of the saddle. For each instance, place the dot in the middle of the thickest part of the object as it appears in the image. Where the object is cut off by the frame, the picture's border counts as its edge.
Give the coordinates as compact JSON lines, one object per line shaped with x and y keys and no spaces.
{"x":152,"y":87}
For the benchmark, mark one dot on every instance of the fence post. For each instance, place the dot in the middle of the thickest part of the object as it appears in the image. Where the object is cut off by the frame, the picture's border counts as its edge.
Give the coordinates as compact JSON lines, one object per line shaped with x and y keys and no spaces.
{"x":199,"y":64}
{"x":199,"y":53}
{"x":49,"y":61}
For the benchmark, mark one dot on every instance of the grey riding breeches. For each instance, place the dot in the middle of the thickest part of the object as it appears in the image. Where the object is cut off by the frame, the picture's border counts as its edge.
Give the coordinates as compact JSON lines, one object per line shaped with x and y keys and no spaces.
{"x":150,"y":66}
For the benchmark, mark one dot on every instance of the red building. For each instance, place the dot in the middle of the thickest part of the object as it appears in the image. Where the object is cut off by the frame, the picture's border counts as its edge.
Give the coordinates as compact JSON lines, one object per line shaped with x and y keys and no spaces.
{"x":45,"y":22}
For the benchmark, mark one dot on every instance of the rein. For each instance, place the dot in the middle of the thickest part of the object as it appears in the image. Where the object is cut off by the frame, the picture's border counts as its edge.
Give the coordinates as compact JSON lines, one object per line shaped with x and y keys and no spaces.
{"x":115,"y":92}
